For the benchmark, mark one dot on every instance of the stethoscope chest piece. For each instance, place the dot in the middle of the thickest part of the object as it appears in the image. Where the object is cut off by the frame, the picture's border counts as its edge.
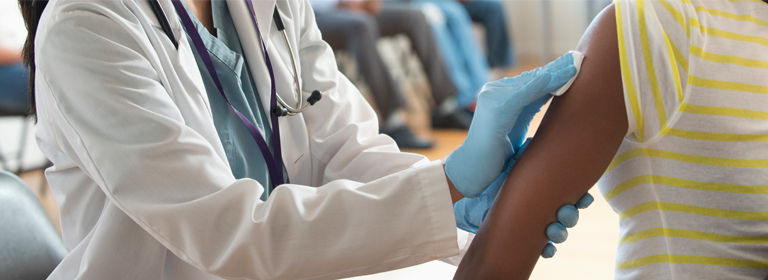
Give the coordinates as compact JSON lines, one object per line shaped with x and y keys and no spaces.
{"x":281,"y":111}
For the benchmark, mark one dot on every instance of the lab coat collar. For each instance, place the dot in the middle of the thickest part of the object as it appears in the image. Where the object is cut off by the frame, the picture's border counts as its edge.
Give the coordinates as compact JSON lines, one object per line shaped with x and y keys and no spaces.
{"x":173,"y":19}
{"x":246,"y":30}
{"x":238,"y":9}
{"x":263,"y":10}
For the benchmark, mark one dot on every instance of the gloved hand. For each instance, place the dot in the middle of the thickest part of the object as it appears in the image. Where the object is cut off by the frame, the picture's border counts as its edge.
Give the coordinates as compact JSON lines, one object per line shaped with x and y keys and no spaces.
{"x":476,"y":163}
{"x":567,"y":216}
{"x":471,"y":212}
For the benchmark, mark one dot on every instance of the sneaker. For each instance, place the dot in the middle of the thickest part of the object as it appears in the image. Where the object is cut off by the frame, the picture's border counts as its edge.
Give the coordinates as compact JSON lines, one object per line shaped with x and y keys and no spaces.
{"x":456,"y":119}
{"x":405,"y":139}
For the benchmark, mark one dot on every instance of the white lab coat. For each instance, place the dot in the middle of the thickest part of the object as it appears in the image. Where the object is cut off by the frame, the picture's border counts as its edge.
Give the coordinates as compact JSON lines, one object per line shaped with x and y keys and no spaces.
{"x":143,"y":184}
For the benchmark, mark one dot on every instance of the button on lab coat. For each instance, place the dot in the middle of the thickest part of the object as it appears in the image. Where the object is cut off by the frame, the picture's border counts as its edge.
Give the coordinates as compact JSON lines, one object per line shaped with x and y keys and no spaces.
{"x":143,"y":184}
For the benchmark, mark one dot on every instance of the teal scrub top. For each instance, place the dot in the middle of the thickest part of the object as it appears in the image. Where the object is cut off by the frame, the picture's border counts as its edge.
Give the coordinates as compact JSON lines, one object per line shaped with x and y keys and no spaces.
{"x":243,"y":154}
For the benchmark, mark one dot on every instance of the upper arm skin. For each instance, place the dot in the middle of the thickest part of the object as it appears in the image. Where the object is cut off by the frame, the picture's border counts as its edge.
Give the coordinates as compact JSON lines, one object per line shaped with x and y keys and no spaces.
{"x":574,"y":145}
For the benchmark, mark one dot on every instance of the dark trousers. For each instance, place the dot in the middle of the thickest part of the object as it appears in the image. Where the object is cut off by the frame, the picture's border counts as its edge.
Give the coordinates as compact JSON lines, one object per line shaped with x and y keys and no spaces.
{"x":490,"y":13}
{"x":357,"y":32}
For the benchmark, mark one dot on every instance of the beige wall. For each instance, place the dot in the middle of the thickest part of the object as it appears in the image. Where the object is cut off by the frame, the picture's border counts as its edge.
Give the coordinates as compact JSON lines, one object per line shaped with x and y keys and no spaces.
{"x":567,"y":21}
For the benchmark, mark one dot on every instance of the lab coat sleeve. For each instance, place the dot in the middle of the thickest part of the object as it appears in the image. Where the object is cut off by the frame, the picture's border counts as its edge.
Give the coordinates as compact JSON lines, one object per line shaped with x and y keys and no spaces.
{"x":122,"y":128}
{"x":344,"y":130}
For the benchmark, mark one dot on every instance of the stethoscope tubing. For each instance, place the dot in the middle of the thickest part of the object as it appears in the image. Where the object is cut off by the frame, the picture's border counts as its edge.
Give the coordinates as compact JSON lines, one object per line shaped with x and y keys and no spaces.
{"x":272,"y":157}
{"x":286,"y":109}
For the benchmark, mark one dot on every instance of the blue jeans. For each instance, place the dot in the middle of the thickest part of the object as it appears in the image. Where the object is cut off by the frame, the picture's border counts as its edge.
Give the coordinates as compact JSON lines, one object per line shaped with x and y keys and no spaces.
{"x":490,"y":13}
{"x":465,"y":60}
{"x":13,"y":89}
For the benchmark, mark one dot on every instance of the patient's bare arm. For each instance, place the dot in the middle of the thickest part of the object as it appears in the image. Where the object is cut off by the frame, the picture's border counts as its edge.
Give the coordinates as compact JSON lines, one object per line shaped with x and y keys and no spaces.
{"x":575,"y":143}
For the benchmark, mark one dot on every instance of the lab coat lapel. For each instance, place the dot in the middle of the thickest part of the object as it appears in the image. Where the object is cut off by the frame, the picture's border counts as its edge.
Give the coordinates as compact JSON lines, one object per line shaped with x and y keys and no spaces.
{"x":249,"y":39}
{"x":293,"y":130}
{"x":190,"y":94}
{"x":188,"y":70}
{"x":264,"y":10}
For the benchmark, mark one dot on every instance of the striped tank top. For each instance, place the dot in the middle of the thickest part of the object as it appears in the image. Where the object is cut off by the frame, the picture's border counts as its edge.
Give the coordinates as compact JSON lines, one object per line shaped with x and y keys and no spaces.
{"x":690,"y":180}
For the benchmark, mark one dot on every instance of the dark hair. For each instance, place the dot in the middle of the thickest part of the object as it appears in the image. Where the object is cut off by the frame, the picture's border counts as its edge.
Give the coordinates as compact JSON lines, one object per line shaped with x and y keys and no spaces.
{"x":31,"y":10}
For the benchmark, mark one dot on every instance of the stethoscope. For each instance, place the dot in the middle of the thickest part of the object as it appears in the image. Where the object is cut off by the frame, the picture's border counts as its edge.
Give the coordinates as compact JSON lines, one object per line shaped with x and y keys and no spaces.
{"x":285,"y":109}
{"x":279,"y":107}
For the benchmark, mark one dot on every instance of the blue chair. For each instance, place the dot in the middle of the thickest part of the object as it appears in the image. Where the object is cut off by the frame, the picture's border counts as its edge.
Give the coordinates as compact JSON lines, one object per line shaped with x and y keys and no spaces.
{"x":30,"y":246}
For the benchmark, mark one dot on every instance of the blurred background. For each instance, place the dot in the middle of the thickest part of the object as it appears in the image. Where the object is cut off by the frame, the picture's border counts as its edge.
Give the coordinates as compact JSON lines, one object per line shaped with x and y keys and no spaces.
{"x":420,"y":64}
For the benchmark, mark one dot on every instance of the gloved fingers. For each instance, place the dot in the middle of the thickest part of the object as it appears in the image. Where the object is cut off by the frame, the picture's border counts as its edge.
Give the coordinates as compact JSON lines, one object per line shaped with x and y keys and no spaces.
{"x":556,"y":232}
{"x":520,"y":130}
{"x":474,"y":165}
{"x":470,"y":212}
{"x":507,"y":167}
{"x":521,"y":80}
{"x":548,"y":251}
{"x":563,"y":69}
{"x":560,"y":77}
{"x":464,"y":213}
{"x":560,"y":62}
{"x":568,"y":215}
{"x":519,"y":151}
{"x":518,"y":91}
{"x":585,"y":201}
{"x":535,"y":106}
{"x":560,"y":71}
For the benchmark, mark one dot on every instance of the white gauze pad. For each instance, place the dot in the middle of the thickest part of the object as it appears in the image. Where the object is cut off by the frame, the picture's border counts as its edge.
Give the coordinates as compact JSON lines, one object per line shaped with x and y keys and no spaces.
{"x":578,"y":57}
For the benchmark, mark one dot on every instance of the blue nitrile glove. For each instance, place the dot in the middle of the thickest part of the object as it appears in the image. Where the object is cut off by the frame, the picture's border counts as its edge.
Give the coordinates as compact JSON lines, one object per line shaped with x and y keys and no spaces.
{"x":567,"y":216}
{"x":471,"y":212}
{"x":476,"y":163}
{"x":567,"y":71}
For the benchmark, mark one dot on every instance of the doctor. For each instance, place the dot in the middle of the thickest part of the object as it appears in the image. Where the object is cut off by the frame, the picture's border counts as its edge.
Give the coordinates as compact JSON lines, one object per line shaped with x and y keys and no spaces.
{"x":173,"y":158}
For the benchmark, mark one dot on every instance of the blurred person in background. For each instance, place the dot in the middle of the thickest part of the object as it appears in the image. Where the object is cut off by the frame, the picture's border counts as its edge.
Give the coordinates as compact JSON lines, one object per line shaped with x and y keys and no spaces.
{"x":355,"y":26}
{"x":490,"y":14}
{"x":13,"y":75}
{"x":452,"y":27}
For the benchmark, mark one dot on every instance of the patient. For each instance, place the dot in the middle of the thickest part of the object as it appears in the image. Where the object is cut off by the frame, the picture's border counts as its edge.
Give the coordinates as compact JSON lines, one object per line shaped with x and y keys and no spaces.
{"x":670,"y":110}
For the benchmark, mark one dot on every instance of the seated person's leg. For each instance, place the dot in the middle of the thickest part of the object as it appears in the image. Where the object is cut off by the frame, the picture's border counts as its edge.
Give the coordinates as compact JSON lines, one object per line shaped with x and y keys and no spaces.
{"x":410,"y":20}
{"x":357,"y":32}
{"x":490,"y":13}
{"x":451,"y":54}
{"x":459,"y":26}
{"x":13,"y":89}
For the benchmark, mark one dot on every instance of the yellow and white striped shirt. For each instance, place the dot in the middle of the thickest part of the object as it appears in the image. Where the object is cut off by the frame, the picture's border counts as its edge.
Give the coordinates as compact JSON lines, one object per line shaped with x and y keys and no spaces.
{"x":690,"y":180}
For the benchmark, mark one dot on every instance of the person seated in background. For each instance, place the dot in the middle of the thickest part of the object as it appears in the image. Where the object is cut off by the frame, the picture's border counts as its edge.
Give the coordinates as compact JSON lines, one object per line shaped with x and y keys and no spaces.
{"x":669,"y":113}
{"x":490,"y":13}
{"x":13,"y":75}
{"x":355,"y":26}
{"x":452,"y":27}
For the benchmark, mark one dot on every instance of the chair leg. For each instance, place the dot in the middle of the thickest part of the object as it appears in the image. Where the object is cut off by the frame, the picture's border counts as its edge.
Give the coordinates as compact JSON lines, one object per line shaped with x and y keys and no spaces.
{"x":22,"y":144}
{"x":3,"y":162}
